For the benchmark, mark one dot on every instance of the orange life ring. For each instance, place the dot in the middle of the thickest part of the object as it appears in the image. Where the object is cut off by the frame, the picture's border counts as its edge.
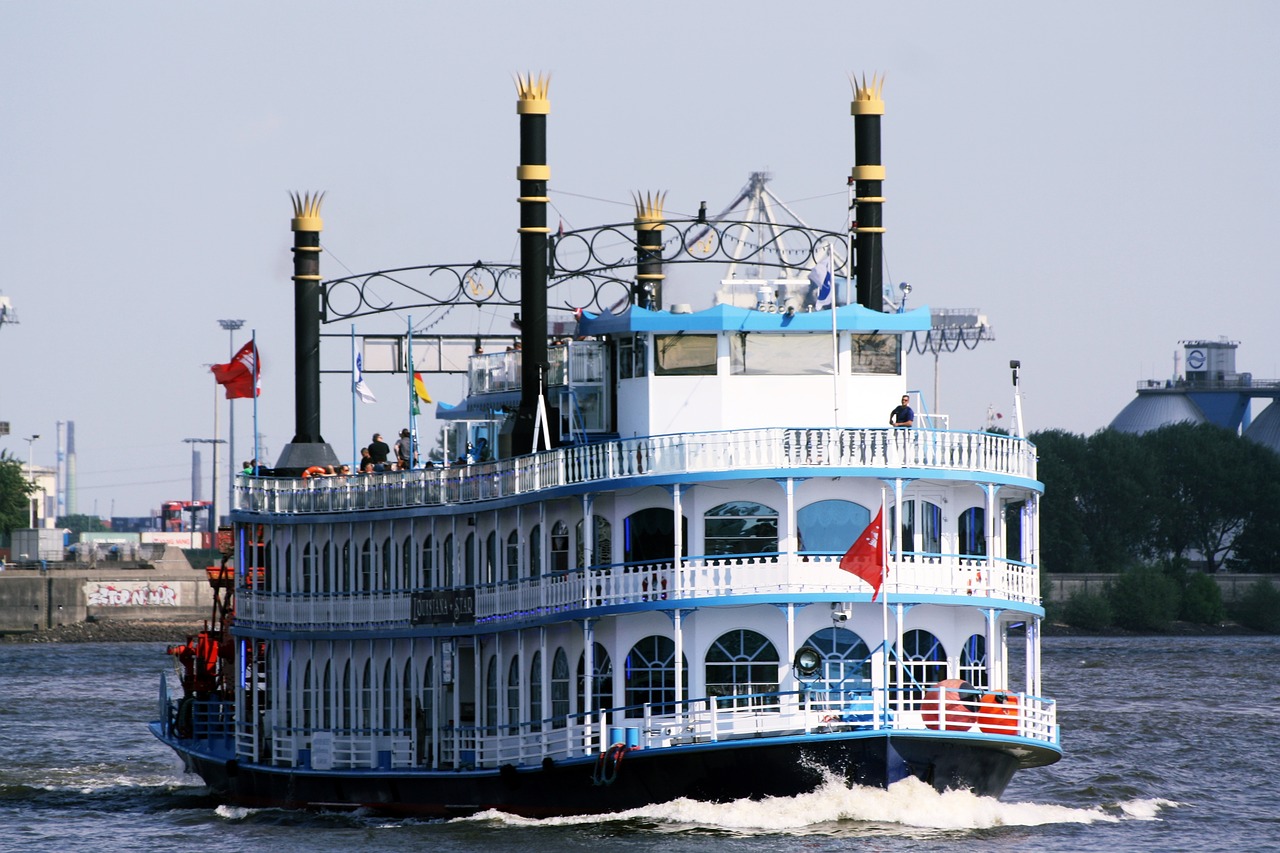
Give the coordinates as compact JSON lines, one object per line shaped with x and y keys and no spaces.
{"x":314,"y":471}
{"x":951,"y":705}
{"x":999,"y":714}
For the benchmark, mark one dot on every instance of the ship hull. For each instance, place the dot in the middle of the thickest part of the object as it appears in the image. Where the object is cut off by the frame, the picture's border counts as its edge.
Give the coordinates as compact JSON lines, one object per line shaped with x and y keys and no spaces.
{"x":752,"y":769}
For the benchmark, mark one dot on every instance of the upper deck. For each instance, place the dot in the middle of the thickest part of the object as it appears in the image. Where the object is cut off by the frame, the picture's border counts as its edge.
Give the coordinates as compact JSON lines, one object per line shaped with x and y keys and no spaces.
{"x":887,"y":453}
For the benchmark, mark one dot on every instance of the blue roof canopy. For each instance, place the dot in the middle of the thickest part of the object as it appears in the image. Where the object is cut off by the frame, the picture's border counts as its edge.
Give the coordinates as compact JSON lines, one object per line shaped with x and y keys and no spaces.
{"x":731,"y":318}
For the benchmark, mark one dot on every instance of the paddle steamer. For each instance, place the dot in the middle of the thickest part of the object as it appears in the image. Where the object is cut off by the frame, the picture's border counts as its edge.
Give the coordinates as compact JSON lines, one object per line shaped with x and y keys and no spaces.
{"x":693,"y":560}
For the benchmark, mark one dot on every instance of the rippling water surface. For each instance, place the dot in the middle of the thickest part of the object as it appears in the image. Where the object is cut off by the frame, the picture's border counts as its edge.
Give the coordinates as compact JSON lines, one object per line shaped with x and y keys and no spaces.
{"x":1170,"y":745}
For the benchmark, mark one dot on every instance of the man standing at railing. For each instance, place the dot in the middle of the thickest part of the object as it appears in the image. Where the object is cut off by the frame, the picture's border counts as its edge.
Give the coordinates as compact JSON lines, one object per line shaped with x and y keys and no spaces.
{"x":902,"y":416}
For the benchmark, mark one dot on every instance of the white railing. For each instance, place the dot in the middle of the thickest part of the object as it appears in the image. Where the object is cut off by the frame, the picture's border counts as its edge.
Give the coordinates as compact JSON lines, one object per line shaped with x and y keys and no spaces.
{"x":1020,"y":718}
{"x":513,"y":602}
{"x":834,"y":450}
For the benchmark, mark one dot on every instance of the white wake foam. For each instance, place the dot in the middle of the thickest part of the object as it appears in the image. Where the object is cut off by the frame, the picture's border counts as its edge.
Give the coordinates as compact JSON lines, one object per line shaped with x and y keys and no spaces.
{"x":909,"y":804}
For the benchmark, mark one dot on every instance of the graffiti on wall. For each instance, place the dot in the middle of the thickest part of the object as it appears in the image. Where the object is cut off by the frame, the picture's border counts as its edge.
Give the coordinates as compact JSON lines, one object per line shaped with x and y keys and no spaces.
{"x":131,"y":595}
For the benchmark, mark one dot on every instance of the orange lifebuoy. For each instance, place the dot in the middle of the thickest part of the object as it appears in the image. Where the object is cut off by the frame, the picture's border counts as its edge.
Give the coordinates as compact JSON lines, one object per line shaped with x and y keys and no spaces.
{"x":999,"y":714}
{"x":314,"y":471}
{"x":950,"y":705}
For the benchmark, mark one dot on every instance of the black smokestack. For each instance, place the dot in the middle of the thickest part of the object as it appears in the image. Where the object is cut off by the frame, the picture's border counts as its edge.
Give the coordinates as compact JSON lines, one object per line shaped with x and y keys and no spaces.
{"x":868,"y":178}
{"x":308,"y":447}
{"x":647,"y":292}
{"x":533,"y":172}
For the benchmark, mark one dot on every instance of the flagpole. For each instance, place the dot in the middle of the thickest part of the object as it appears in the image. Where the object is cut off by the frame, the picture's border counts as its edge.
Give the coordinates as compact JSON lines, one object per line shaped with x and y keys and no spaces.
{"x":257,"y":371}
{"x":355,"y":454}
{"x":213,"y":522}
{"x":884,"y":605}
{"x":835,"y":343}
{"x":413,"y":395}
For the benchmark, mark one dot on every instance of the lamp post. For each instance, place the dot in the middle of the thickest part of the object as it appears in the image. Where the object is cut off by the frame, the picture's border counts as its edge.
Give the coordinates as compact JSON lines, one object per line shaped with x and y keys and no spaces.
{"x":31,"y":506}
{"x":232,"y":326}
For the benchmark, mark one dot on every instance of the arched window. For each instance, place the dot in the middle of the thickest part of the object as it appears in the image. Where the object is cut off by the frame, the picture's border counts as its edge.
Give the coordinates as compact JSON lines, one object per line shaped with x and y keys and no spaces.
{"x":927,"y":523}
{"x":601,"y":680}
{"x":648,"y":535}
{"x":366,"y":566}
{"x":326,"y":569}
{"x":535,"y":551}
{"x":743,"y":663}
{"x":407,"y":579}
{"x":923,"y":663}
{"x":973,"y":532}
{"x":829,"y":527}
{"x":469,"y":561}
{"x":513,"y":696}
{"x":288,"y":695}
{"x":388,"y":696}
{"x":973,"y":661}
{"x":366,"y":697}
{"x":559,"y":547}
{"x":491,"y":557}
{"x":846,"y":668}
{"x":559,"y":689}
{"x":650,"y":676}
{"x":428,"y":563}
{"x":344,"y":570}
{"x":308,"y":568}
{"x":1013,"y":530}
{"x":447,"y":562}
{"x":308,"y":697}
{"x":406,"y":696}
{"x":427,"y":713}
{"x":491,"y":694}
{"x":288,"y":567}
{"x":429,"y":693}
{"x":388,"y":565}
{"x":601,"y":543}
{"x":348,"y":697}
{"x":326,"y":698}
{"x":513,"y":556}
{"x":535,"y":693}
{"x":740,"y":527}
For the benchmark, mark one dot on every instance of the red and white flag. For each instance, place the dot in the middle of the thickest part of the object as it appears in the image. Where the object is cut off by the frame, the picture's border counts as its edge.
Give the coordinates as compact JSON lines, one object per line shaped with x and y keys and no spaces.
{"x":240,"y":375}
{"x":865,"y":557}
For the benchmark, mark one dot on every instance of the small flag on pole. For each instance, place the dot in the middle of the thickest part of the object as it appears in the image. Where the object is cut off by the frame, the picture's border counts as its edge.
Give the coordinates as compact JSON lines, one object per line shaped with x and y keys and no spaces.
{"x":240,"y":376}
{"x":419,"y":393}
{"x":865,"y":557}
{"x":361,"y":388}
{"x":820,"y":278}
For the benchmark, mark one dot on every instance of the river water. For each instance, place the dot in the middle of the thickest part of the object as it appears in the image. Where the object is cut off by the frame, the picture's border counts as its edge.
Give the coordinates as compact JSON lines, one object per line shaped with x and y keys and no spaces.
{"x":1170,"y":743}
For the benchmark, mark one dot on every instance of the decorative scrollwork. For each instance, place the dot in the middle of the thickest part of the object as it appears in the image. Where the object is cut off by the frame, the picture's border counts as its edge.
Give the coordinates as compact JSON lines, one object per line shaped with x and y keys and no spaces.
{"x":590,"y":269}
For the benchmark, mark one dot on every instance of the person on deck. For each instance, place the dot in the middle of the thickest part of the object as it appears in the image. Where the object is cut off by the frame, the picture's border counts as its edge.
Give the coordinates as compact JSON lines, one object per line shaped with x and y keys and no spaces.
{"x":406,"y":457}
{"x":379,"y":452}
{"x":902,"y":416}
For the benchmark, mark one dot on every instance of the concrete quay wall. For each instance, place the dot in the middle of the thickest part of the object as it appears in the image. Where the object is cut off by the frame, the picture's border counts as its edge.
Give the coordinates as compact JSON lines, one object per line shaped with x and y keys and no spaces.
{"x":32,"y":599}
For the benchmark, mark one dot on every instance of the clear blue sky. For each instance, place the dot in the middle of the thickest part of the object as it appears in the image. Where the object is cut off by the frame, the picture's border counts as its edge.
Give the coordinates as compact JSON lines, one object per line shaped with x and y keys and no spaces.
{"x":1100,"y":178}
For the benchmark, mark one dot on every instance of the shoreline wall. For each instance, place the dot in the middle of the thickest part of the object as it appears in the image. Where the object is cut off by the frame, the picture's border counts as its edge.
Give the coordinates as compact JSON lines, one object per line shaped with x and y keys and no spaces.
{"x":169,"y":590}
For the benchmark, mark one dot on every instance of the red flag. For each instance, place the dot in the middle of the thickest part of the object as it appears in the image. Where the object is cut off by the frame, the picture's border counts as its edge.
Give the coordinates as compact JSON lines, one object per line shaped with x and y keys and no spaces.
{"x":865,"y":557}
{"x":240,"y":375}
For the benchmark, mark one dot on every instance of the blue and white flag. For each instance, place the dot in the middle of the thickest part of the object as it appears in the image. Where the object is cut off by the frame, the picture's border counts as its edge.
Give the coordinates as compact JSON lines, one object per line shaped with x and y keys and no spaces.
{"x":362,"y":390}
{"x":820,"y":278}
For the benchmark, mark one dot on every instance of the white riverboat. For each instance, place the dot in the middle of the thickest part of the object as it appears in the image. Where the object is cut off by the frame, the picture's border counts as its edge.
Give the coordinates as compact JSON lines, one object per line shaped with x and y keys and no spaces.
{"x":655,"y":588}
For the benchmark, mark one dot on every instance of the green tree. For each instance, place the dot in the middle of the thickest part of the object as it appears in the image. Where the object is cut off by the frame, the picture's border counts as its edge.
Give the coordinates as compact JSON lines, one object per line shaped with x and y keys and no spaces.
{"x":1205,"y":490}
{"x":1064,"y":545}
{"x":1257,"y":548}
{"x":1145,"y":599}
{"x":1118,"y":485}
{"x":15,"y":494}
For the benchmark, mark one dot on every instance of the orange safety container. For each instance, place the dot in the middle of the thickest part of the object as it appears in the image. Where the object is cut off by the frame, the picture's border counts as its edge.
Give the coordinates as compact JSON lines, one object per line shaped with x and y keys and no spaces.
{"x":998,"y":714}
{"x":950,"y":705}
